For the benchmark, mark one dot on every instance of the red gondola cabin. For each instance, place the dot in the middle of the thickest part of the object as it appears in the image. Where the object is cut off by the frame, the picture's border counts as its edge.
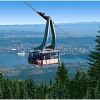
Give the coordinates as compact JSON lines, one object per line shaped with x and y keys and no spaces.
{"x":44,"y":57}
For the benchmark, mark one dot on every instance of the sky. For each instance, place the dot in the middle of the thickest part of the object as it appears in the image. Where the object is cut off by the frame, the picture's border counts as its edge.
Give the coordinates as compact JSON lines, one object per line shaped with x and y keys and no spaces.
{"x":16,"y":12}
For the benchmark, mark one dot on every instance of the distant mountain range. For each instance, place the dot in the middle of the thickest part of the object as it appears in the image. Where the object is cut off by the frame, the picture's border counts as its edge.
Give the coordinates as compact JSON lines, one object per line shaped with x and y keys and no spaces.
{"x":79,"y":29}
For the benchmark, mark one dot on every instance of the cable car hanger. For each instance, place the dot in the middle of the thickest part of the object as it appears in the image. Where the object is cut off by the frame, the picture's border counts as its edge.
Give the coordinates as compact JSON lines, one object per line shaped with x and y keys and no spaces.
{"x":49,"y":24}
{"x":43,"y":55}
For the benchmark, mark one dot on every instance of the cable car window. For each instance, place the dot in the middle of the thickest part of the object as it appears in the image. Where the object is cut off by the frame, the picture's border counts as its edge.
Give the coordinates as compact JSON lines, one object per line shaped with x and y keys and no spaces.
{"x":41,"y":56}
{"x":47,"y":56}
{"x":54,"y":55}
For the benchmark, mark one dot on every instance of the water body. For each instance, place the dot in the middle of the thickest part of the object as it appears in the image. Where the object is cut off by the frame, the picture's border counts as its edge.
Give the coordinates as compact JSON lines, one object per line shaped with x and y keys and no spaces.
{"x":70,"y":51}
{"x":74,"y":49}
{"x":12,"y":60}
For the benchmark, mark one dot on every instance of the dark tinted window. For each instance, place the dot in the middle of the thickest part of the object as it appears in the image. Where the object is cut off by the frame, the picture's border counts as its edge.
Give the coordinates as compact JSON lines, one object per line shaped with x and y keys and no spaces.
{"x":47,"y":56}
{"x":54,"y":55}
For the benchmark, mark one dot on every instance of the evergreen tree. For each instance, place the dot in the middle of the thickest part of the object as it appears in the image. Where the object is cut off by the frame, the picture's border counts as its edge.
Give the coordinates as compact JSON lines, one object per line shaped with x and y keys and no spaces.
{"x":16,"y":90}
{"x":94,"y":60}
{"x":7,"y":90}
{"x":97,"y":90}
{"x":45,"y":92}
{"x":78,"y":85}
{"x":0,"y":92}
{"x":50,"y":89}
{"x":23,"y":90}
{"x":90,"y":93}
{"x":61,"y":82}
{"x":30,"y":88}
{"x":61,"y":75}
{"x":38,"y":92}
{"x":1,"y":79}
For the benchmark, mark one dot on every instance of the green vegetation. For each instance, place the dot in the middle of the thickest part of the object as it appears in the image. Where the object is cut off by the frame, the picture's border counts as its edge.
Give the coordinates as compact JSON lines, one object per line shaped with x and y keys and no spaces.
{"x":85,"y":85}
{"x":94,"y":60}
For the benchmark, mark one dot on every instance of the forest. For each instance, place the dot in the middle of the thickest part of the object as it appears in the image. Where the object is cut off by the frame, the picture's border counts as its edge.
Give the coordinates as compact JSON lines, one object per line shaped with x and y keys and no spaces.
{"x":84,"y":85}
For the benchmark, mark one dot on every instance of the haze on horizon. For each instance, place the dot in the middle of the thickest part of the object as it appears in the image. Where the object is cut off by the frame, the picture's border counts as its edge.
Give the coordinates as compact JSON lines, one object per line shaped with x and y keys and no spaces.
{"x":16,"y":12}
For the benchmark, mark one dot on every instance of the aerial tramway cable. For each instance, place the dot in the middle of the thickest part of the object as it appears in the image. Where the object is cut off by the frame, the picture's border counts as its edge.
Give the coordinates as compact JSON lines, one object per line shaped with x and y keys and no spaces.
{"x":33,"y":8}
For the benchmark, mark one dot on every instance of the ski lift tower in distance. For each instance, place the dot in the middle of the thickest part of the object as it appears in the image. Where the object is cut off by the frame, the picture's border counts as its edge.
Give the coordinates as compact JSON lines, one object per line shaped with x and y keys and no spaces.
{"x":44,"y":55}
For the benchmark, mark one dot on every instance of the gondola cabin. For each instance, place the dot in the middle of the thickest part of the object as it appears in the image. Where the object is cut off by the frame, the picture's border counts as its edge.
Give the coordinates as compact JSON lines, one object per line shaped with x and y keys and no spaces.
{"x":43,"y":57}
